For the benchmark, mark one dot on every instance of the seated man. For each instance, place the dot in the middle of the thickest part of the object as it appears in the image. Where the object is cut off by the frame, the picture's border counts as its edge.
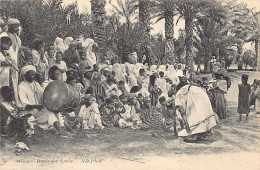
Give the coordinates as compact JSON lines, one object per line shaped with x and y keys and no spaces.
{"x":31,"y":97}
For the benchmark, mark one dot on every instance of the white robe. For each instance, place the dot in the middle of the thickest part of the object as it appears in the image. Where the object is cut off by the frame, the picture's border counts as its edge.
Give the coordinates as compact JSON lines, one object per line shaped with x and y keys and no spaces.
{"x":197,"y":106}
{"x":32,"y":94}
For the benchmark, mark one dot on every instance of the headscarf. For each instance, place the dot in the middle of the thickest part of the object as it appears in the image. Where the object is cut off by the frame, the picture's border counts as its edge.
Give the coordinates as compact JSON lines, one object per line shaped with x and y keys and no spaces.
{"x":119,"y":74}
{"x":13,"y":21}
{"x":67,"y":42}
{"x":153,"y":68}
{"x":59,"y":45}
{"x":161,"y":68}
{"x":27,"y":68}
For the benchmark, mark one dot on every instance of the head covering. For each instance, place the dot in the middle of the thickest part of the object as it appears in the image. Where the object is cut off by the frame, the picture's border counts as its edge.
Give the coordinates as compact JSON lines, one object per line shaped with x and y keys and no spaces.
{"x":162,"y":68}
{"x":4,"y":34}
{"x":27,"y":68}
{"x":68,"y":40}
{"x":59,"y":45}
{"x":13,"y":21}
{"x":153,"y":68}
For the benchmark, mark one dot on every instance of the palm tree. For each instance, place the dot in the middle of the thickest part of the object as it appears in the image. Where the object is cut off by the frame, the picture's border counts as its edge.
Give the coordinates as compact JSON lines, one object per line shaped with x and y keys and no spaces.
{"x":164,"y":9}
{"x":241,"y":27}
{"x":188,"y":10}
{"x":98,"y":23}
{"x":255,"y":35}
{"x":210,"y":28}
{"x":126,"y":10}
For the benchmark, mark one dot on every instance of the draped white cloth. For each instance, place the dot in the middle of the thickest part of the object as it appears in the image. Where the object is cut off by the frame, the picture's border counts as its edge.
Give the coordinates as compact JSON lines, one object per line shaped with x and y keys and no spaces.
{"x":132,"y":79}
{"x":90,"y":56}
{"x":67,"y":42}
{"x":119,"y":73}
{"x":198,"y":109}
{"x":59,"y":45}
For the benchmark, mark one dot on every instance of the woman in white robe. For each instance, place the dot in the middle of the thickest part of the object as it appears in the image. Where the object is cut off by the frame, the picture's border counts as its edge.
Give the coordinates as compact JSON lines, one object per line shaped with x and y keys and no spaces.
{"x":196,"y":111}
{"x":132,"y":79}
{"x":90,"y":55}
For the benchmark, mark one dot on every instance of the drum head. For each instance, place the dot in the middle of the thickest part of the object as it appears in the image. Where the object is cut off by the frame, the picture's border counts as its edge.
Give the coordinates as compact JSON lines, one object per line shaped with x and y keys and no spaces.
{"x":55,"y":95}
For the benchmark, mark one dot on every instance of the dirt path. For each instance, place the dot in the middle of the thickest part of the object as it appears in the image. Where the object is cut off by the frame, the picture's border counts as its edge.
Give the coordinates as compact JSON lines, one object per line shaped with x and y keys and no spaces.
{"x":234,"y":145}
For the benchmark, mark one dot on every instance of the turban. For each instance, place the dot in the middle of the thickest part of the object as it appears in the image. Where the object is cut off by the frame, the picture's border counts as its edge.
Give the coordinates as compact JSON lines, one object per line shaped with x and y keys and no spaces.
{"x":27,"y":68}
{"x":13,"y":21}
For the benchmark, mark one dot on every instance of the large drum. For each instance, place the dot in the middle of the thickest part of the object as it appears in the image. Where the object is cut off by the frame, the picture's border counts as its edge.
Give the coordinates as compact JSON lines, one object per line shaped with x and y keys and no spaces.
{"x":60,"y":96}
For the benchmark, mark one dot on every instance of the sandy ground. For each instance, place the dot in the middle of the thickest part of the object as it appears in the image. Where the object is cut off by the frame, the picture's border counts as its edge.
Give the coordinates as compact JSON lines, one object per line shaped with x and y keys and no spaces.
{"x":234,"y":145}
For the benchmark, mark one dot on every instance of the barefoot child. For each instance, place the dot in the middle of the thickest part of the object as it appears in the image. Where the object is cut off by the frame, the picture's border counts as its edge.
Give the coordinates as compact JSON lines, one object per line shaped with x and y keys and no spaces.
{"x":244,"y":97}
{"x":90,"y":114}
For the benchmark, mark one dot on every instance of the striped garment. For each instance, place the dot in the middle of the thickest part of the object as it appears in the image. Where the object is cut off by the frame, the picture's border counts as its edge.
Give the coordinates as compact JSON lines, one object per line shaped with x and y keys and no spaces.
{"x":153,"y":119}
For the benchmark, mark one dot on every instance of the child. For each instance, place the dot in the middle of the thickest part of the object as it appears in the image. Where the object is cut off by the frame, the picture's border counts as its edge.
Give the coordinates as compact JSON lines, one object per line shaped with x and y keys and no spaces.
{"x":140,"y":98}
{"x":73,"y":81}
{"x":162,"y":108}
{"x":219,"y":101}
{"x":151,"y":118}
{"x":51,"y":56}
{"x":125,"y":117}
{"x":161,"y":83}
{"x":108,"y":116}
{"x":205,"y":84}
{"x":154,"y":91}
{"x":90,"y":114}
{"x":244,"y":97}
{"x":11,"y":122}
{"x":61,"y":65}
{"x":254,"y":87}
{"x":134,"y":110}
{"x":257,"y":98}
{"x":141,"y":77}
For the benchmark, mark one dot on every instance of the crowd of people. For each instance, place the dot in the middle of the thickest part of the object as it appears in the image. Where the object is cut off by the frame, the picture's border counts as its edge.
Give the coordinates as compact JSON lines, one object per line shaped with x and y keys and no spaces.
{"x":136,"y":95}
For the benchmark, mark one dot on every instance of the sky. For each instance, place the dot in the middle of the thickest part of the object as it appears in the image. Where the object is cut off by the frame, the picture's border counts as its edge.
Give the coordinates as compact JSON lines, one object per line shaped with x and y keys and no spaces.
{"x":158,"y":27}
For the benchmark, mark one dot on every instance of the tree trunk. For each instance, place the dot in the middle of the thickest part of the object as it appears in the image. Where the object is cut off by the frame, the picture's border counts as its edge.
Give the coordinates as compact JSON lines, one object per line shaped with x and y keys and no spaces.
{"x":144,"y":19}
{"x":239,"y":56}
{"x":98,"y":20}
{"x":257,"y":55}
{"x":207,"y":57}
{"x":169,"y":32}
{"x":189,"y":42}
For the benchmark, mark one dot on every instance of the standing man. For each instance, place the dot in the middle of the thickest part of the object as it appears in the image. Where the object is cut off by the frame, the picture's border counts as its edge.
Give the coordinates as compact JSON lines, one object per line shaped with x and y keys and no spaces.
{"x":12,"y":31}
